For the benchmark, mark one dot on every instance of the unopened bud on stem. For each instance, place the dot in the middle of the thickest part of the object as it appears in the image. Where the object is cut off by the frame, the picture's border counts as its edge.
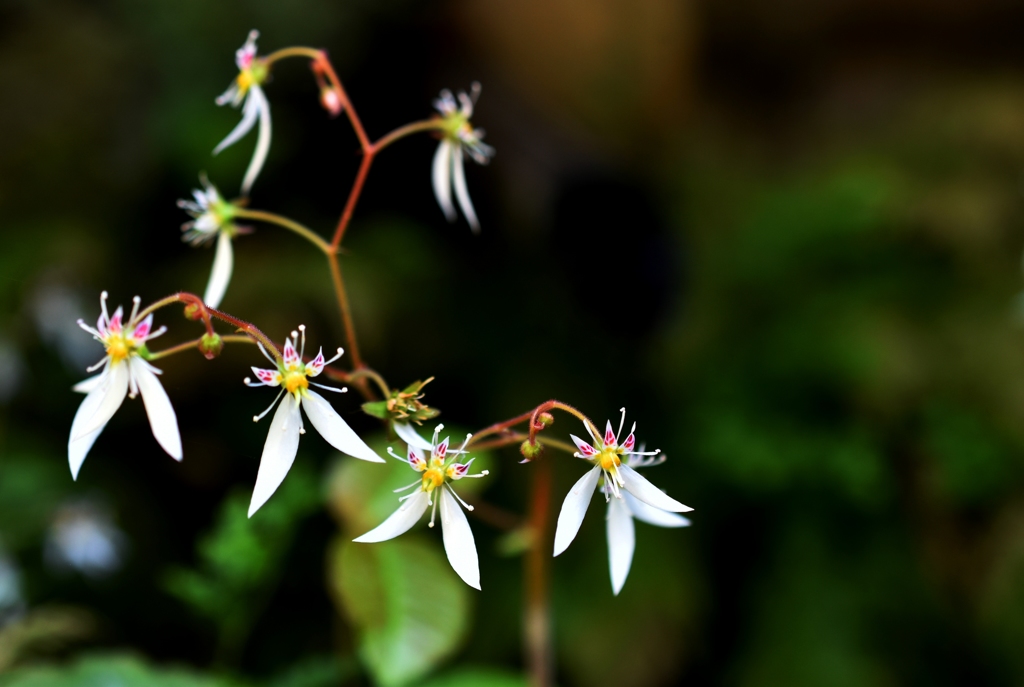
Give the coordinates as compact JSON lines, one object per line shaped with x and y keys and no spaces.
{"x":331,"y":101}
{"x":531,"y":450}
{"x":210,"y":345}
{"x":193,"y":311}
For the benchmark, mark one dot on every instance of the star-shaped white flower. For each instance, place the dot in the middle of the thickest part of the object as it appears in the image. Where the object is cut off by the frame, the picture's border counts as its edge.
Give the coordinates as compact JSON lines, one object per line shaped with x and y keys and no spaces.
{"x":293,"y":376}
{"x":459,"y":139}
{"x":125,"y":372}
{"x":613,"y":463}
{"x":434,"y":488}
{"x":212,"y":217}
{"x":246,"y":91}
{"x":619,"y":520}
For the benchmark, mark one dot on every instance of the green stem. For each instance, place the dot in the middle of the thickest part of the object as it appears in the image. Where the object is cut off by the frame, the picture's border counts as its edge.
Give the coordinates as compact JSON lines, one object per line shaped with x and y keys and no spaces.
{"x":290,"y":225}
{"x":194,"y":344}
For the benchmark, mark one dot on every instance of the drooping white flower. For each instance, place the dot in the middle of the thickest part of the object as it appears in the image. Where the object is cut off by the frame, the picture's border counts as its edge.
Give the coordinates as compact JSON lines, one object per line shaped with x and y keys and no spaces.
{"x":212,"y":216}
{"x":622,"y":512}
{"x":434,"y":489}
{"x":247,"y":92}
{"x":459,"y":139}
{"x":614,"y":466}
{"x":125,"y":372}
{"x":293,"y":376}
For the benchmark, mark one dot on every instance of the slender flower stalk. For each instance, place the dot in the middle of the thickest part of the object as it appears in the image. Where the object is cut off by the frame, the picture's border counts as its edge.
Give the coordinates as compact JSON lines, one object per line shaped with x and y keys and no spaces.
{"x":124,"y":372}
{"x":293,"y":377}
{"x":433,"y":489}
{"x":246,"y":90}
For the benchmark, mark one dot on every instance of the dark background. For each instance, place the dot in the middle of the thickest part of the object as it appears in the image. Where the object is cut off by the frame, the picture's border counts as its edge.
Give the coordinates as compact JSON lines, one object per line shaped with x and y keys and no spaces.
{"x":785,"y":236}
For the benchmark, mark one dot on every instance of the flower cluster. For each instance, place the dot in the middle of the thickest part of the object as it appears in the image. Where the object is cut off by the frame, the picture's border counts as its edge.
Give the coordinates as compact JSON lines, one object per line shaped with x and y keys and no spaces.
{"x":126,"y":369}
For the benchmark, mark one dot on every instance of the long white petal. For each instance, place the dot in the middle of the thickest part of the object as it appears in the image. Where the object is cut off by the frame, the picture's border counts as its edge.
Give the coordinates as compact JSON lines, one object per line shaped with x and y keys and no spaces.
{"x":162,"y":419}
{"x":399,"y":522}
{"x":278,"y":452}
{"x":87,"y":385}
{"x":621,"y":542}
{"x":651,"y":515}
{"x":574,"y":508}
{"x":250,"y":111}
{"x":461,"y":192}
{"x":409,"y":435}
{"x":223,"y":263}
{"x":332,"y":428}
{"x":259,"y":156}
{"x":458,"y":540}
{"x":79,"y":447}
{"x":637,"y":485}
{"x":113,"y":389}
{"x":441,"y":177}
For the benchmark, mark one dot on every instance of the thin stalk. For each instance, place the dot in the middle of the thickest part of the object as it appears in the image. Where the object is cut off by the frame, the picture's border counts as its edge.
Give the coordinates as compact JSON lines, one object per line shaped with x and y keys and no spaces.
{"x":372,"y":374}
{"x":509,"y":438}
{"x":537,"y":612}
{"x":290,"y":225}
{"x":433,"y":124}
{"x":194,"y":344}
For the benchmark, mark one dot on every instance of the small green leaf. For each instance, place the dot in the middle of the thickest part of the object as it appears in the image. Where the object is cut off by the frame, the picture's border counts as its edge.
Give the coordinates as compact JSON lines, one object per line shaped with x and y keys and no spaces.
{"x":409,"y":607}
{"x":377,"y":409}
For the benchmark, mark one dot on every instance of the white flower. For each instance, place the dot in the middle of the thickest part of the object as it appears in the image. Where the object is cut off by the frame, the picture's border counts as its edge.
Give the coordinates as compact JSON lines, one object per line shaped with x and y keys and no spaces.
{"x":622,"y":511}
{"x":292,"y":375}
{"x":437,"y":476}
{"x":622,"y":486}
{"x":460,"y":138}
{"x":251,"y":73}
{"x":212,"y":217}
{"x":125,"y":372}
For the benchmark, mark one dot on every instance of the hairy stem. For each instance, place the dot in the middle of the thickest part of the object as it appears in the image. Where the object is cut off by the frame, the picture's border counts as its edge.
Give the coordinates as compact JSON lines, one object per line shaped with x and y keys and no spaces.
{"x":194,"y":345}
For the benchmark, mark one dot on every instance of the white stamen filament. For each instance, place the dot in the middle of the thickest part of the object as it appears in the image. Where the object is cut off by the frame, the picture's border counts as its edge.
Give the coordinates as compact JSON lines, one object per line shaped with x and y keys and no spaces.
{"x":302,"y":348}
{"x":407,"y":486}
{"x":103,"y":306}
{"x":93,"y":368}
{"x":330,"y":388}
{"x":458,"y":498}
{"x":265,"y":354}
{"x":622,"y":421}
{"x":257,"y":418}
{"x":341,"y":352}
{"x":135,"y":308}
{"x":433,"y":511}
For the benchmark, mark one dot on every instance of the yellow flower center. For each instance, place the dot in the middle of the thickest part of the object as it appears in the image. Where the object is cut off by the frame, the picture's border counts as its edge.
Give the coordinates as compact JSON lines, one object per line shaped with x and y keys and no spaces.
{"x":608,"y":458}
{"x":294,"y":380}
{"x":118,"y":349}
{"x":432,"y":478}
{"x":245,"y":80}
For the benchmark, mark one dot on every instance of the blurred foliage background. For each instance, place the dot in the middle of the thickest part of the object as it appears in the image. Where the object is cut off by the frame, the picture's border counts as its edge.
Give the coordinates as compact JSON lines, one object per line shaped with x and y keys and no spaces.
{"x":786,"y":236}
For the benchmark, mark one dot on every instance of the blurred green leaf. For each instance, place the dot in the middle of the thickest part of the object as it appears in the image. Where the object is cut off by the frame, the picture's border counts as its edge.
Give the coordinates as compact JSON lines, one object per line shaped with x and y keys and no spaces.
{"x":476,"y":677}
{"x":110,"y":671}
{"x":410,"y":608}
{"x":242,"y":557}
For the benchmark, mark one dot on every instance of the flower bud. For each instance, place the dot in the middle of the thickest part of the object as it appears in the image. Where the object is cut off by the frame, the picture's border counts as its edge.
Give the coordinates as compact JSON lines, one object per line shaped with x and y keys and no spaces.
{"x":193,"y":311}
{"x":331,"y":101}
{"x":545,"y":419}
{"x":210,"y":345}
{"x":530,"y":451}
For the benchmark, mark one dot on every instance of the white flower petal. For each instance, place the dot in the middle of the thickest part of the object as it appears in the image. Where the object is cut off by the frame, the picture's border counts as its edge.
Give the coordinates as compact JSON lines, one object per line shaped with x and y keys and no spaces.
{"x":278,"y":452}
{"x":162,"y":419}
{"x":621,"y":542}
{"x":259,"y":156}
{"x":651,"y":515}
{"x":113,"y":389}
{"x":441,"y":177}
{"x":250,"y":111}
{"x":574,"y":508}
{"x":223,"y":263}
{"x":461,"y":192}
{"x":79,"y":447}
{"x":87,"y":385}
{"x":399,"y":522}
{"x":637,"y":485}
{"x":408,"y":434}
{"x":334,"y":430}
{"x":458,"y":540}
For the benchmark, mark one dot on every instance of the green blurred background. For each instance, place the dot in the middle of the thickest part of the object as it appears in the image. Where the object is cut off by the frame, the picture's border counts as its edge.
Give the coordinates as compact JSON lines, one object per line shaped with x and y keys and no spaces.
{"x":786,"y":236}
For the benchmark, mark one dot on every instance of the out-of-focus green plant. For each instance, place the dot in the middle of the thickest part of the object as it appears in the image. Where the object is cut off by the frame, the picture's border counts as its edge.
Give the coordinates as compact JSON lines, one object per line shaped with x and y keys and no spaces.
{"x":241,"y":560}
